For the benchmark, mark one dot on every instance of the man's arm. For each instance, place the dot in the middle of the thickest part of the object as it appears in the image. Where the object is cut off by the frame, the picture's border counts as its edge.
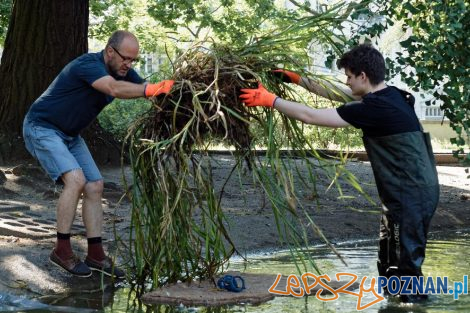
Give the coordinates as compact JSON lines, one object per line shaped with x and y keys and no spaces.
{"x":118,"y":88}
{"x":328,"y":90}
{"x":308,"y":115}
{"x":127,"y":90}
{"x":323,"y":88}
{"x":303,"y":113}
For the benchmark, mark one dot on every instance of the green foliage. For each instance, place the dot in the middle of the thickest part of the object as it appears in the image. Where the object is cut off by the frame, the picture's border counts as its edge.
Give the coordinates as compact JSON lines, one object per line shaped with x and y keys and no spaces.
{"x":5,"y":13}
{"x":227,"y":20}
{"x":318,"y":137}
{"x":119,"y":115}
{"x":333,"y":138}
{"x":437,"y":49}
{"x":238,"y":22}
{"x":106,"y":16}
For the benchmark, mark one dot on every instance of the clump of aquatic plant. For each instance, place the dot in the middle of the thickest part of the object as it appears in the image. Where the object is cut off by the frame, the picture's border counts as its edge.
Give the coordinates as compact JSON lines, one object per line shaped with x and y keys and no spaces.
{"x":178,"y":227}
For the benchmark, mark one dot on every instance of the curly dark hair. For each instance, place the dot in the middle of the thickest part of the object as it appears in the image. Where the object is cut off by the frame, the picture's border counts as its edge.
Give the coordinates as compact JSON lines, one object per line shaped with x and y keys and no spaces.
{"x":367,"y":59}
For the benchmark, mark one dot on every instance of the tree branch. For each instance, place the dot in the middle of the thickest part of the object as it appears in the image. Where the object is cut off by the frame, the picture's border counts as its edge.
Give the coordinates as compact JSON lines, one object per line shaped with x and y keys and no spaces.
{"x":304,"y":7}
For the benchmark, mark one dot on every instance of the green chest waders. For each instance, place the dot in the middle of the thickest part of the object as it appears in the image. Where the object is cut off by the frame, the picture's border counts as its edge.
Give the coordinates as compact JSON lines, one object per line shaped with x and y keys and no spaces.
{"x":407,"y":183}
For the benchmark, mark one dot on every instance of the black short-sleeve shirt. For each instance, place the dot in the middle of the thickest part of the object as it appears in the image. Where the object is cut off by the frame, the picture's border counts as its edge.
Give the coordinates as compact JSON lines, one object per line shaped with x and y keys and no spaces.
{"x":382,"y":113}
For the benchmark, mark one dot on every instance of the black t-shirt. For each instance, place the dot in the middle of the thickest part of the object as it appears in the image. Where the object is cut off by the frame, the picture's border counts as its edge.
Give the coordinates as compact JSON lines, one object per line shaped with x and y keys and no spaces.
{"x":382,"y":113}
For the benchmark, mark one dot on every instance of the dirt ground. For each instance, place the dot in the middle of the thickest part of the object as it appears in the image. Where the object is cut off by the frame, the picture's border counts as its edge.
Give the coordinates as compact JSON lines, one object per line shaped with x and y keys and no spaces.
{"x":27,"y":236}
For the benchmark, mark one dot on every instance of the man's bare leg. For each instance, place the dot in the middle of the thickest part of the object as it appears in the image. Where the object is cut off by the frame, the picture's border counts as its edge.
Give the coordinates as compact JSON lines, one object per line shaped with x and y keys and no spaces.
{"x":62,"y":255}
{"x":93,"y":218}
{"x":92,"y":211}
{"x":74,"y":182}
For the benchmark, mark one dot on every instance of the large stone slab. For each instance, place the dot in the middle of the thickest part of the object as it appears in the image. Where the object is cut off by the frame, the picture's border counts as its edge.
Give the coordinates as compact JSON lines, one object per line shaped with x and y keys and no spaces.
{"x":205,"y":293}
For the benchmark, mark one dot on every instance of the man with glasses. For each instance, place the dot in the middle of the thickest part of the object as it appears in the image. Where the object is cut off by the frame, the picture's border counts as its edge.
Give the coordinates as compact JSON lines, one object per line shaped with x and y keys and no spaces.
{"x":51,"y":132}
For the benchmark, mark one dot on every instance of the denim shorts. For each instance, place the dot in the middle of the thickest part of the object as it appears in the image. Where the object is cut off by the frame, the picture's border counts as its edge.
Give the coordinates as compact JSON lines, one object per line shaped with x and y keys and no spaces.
{"x":58,"y":153}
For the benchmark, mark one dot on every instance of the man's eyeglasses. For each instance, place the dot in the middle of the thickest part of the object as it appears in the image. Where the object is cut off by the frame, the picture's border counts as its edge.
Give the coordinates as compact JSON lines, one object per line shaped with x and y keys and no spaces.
{"x":126,"y":60}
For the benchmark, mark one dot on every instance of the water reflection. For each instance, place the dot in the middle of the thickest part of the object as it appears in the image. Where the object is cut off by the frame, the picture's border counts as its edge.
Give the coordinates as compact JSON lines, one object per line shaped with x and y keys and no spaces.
{"x":11,"y":303}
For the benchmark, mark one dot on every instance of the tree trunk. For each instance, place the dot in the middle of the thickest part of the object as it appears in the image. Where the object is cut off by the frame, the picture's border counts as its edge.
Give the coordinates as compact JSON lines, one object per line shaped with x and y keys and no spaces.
{"x":43,"y":36}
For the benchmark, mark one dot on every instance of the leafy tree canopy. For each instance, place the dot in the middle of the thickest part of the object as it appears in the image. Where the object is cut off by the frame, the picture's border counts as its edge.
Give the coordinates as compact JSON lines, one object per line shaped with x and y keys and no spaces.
{"x":107,"y":16}
{"x":228,"y":20}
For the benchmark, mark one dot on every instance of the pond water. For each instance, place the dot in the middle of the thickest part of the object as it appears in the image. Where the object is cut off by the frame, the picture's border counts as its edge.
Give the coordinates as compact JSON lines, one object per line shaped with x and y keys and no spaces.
{"x":447,"y":255}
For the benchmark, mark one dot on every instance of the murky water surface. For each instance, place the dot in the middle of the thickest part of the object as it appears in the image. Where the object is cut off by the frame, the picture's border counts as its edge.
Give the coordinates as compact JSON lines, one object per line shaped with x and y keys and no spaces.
{"x":447,"y":255}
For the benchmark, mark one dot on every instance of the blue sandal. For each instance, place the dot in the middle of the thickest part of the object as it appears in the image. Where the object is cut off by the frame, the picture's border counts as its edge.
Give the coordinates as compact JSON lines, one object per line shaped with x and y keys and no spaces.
{"x":231,"y":283}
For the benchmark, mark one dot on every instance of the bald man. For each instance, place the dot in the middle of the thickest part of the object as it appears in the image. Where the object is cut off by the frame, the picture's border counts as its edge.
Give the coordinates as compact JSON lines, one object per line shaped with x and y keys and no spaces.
{"x":51,"y":131}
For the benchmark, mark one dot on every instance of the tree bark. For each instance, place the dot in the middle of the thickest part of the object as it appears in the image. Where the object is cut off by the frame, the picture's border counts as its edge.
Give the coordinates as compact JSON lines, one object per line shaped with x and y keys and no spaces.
{"x":43,"y":36}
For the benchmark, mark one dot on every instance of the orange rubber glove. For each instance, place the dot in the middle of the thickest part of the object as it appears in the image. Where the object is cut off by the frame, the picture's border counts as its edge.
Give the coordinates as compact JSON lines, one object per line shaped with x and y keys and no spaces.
{"x":153,"y":90}
{"x":287,"y":76}
{"x":258,"y":97}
